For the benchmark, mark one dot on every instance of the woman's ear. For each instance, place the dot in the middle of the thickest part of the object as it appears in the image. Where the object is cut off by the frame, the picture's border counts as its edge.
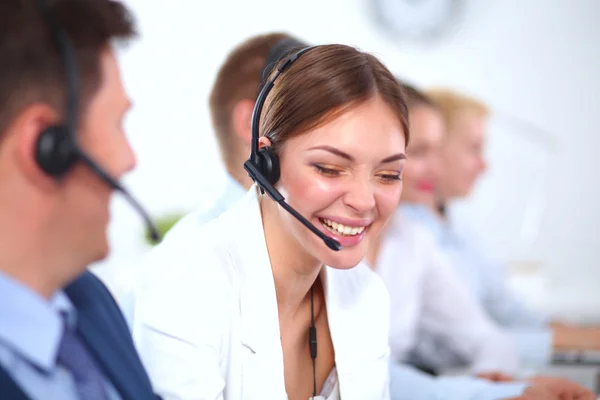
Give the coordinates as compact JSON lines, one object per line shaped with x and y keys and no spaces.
{"x":264,"y":142}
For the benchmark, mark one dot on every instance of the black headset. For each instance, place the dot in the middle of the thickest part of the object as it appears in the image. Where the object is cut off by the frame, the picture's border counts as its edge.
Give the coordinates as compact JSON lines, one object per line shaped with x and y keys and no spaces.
{"x":56,"y":149}
{"x":263,"y":164}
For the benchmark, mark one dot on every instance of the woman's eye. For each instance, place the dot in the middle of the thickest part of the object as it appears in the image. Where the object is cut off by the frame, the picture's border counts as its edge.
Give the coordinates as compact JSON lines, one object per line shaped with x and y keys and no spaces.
{"x":390,"y":177}
{"x":326,"y":171}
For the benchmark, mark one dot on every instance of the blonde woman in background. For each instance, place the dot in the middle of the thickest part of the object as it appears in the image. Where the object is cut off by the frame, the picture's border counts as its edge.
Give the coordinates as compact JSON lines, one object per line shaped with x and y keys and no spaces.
{"x":461,"y":163}
{"x":429,"y":300}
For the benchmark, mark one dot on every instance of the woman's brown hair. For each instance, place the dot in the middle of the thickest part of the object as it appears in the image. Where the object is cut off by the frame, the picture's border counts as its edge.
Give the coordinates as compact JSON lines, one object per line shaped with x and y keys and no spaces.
{"x":321,"y":85}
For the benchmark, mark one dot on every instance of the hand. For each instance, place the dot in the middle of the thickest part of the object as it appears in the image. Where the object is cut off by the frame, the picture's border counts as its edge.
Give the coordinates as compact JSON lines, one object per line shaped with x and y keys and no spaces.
{"x":536,"y":393}
{"x":495,"y":377}
{"x":562,"y":388}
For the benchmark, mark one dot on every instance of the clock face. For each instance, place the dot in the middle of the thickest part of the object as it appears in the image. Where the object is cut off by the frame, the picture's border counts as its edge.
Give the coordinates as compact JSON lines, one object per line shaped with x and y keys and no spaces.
{"x":416,"y":19}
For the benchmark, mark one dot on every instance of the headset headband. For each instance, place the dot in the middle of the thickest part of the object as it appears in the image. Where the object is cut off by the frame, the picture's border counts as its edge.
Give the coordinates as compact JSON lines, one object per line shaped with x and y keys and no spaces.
{"x":281,"y":49}
{"x":262,"y":96}
{"x":67,"y":52}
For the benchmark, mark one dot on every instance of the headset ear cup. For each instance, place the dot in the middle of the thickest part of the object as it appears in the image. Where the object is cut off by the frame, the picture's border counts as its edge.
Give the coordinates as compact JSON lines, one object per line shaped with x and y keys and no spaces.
{"x":55,"y":151}
{"x":269,"y":164}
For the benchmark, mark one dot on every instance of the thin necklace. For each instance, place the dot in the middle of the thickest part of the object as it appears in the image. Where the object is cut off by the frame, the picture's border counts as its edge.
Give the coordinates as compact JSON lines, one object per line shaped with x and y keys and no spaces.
{"x":312,"y":339}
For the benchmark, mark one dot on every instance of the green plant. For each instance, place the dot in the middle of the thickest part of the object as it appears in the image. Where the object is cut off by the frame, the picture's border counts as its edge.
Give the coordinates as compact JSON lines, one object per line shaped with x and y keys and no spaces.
{"x":163,"y":224}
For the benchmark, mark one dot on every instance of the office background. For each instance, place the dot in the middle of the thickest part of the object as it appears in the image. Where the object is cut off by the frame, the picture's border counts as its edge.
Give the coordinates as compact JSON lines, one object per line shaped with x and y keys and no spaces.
{"x":535,"y":62}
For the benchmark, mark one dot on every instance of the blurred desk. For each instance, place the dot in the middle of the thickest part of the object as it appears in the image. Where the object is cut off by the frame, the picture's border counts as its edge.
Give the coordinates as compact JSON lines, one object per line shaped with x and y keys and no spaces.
{"x":586,"y":357}
{"x":585,"y":375}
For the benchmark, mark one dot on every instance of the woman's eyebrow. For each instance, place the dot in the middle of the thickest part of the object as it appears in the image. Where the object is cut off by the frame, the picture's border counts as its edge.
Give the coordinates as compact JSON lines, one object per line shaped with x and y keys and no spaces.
{"x":335,"y":151}
{"x":340,"y":153}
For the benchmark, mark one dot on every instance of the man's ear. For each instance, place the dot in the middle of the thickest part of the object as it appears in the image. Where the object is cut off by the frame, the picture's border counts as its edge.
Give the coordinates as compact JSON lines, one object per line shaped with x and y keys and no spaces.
{"x":23,"y":135}
{"x":242,"y":120}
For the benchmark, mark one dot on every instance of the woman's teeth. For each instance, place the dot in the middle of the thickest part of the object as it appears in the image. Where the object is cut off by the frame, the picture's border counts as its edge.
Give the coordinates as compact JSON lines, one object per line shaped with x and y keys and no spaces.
{"x":337,"y":228}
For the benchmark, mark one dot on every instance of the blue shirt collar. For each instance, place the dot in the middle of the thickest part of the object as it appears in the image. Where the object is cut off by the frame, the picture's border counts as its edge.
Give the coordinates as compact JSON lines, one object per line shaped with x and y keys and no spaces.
{"x":31,"y":325}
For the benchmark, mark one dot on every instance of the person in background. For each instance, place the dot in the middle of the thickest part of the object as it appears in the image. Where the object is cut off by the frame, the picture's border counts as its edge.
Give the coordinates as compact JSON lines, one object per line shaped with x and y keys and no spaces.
{"x":404,"y":245}
{"x":233,"y":91}
{"x":461,"y":163}
{"x":227,"y":307}
{"x":62,"y":335}
{"x":427,"y":295}
{"x":231,"y":102}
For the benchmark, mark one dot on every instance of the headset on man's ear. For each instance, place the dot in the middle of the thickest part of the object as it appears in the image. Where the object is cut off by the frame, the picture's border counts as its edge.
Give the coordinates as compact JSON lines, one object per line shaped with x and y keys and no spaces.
{"x":56,"y":149}
{"x":263,"y":164}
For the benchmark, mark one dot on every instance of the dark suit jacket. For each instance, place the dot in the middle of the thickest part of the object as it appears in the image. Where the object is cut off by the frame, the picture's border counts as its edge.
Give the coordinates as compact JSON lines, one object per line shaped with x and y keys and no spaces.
{"x":105,"y":332}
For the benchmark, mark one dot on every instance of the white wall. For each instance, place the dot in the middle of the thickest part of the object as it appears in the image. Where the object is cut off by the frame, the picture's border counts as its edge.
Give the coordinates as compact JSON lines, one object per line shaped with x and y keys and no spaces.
{"x":538,"y":60}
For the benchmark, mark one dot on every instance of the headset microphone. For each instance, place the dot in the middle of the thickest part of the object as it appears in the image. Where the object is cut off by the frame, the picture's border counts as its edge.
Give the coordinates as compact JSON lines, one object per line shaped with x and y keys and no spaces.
{"x":113,"y":183}
{"x":56,"y":149}
{"x":263,"y":164}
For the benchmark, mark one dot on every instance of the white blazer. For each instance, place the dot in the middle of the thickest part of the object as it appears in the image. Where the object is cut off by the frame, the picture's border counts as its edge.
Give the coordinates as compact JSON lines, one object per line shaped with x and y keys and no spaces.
{"x":206,"y":321}
{"x":431,"y":308}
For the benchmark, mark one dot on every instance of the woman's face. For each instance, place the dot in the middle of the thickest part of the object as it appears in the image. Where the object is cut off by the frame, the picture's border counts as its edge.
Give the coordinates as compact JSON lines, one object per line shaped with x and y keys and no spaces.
{"x":344,"y":177}
{"x":422,"y":169}
{"x":462,"y":156}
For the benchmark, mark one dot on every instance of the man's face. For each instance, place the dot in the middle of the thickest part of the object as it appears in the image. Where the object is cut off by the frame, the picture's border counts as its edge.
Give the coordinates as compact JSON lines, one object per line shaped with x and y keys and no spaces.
{"x":84,"y":198}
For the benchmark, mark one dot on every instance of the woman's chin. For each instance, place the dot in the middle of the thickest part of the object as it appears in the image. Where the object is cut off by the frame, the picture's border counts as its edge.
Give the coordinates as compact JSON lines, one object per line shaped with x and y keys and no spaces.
{"x":344,"y":259}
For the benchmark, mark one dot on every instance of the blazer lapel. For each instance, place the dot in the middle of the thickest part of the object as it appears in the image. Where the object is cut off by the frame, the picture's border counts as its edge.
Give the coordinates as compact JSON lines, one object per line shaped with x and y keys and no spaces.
{"x":107,"y":339}
{"x":260,"y":337}
{"x":111,"y":356}
{"x":357,"y":360}
{"x":111,"y":360}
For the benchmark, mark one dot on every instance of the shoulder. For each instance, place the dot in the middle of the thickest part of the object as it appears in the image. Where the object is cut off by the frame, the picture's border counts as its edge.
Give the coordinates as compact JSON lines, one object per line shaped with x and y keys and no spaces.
{"x":87,"y":289}
{"x":191,"y":250}
{"x":406,"y":229}
{"x":188,"y":281}
{"x":408,"y":242}
{"x":87,"y":282}
{"x":90,"y":296}
{"x":191,"y":256}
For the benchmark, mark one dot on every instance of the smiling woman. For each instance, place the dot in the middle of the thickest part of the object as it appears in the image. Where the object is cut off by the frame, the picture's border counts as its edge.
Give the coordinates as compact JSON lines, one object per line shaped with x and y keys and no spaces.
{"x":346,"y":171}
{"x":230,"y":318}
{"x":338,"y":121}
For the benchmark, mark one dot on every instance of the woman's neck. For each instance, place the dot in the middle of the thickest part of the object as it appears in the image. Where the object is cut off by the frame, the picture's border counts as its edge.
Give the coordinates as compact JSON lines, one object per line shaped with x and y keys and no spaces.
{"x":440,"y":205}
{"x":440,"y":211}
{"x":294,"y":270}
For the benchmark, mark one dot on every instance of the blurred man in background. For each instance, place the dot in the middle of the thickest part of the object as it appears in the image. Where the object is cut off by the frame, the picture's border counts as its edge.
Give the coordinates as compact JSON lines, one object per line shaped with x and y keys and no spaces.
{"x":232,"y":99}
{"x":62,"y":335}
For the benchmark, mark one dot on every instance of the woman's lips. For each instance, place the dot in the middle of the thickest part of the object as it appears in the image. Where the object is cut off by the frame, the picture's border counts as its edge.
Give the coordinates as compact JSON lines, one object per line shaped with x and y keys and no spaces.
{"x":348,"y":234}
{"x":426,"y":186}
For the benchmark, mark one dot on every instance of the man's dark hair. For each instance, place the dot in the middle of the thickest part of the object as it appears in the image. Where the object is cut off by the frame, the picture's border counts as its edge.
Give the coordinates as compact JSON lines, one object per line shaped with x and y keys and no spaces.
{"x":31,"y":67}
{"x":239,"y":78}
